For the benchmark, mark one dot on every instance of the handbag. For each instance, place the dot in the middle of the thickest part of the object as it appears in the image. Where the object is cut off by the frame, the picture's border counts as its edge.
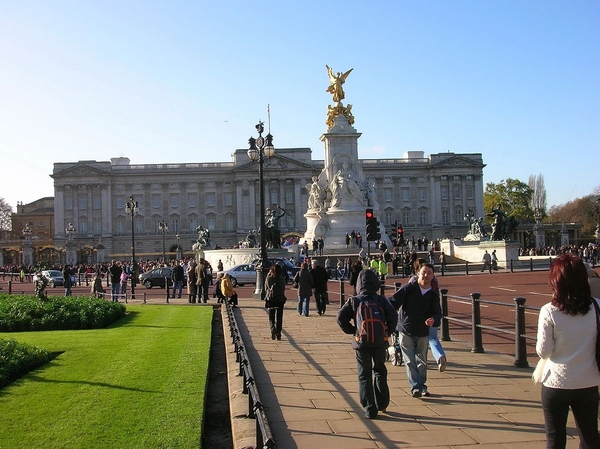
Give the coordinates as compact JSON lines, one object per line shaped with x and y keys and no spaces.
{"x":539,"y":371}
{"x":597,"y":331}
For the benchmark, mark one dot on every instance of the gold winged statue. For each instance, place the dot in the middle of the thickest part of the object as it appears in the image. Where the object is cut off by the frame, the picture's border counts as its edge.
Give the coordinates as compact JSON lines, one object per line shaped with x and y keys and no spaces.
{"x":336,"y":80}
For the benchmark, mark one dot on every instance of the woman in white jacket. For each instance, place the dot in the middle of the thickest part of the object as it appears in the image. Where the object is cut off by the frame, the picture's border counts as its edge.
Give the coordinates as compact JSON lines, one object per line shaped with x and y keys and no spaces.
{"x":567,"y":339}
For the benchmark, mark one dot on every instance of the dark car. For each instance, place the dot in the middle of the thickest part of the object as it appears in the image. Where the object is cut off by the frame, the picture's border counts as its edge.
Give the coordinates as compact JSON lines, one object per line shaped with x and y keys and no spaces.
{"x":156,"y":277}
{"x":289,"y":268}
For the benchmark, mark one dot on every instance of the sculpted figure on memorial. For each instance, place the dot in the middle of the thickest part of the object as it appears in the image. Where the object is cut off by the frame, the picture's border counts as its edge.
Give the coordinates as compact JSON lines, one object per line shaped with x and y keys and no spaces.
{"x":336,"y":81}
{"x":317,"y":195}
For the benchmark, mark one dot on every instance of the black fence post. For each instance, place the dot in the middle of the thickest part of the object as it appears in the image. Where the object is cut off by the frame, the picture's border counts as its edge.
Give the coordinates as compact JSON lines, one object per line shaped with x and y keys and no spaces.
{"x":467,"y":267}
{"x":520,"y":330}
{"x":443,"y":269}
{"x":167,"y":288}
{"x":511,"y":266}
{"x":10,"y":287}
{"x":476,"y":322}
{"x":531,"y":264}
{"x":445,"y":323}
{"x":342,"y":295}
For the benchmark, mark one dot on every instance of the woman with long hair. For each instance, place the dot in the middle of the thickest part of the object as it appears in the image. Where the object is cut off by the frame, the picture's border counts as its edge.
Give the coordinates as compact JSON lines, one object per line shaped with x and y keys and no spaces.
{"x":275,"y":280}
{"x":566,"y":338}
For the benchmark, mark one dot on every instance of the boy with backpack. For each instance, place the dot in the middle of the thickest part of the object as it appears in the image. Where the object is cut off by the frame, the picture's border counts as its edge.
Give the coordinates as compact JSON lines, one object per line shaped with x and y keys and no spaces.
{"x":371,"y":318}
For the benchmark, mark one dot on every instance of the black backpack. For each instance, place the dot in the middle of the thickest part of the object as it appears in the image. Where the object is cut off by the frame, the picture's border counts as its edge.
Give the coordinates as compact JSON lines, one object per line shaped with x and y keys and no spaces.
{"x":371,"y":328}
{"x":275,"y":295}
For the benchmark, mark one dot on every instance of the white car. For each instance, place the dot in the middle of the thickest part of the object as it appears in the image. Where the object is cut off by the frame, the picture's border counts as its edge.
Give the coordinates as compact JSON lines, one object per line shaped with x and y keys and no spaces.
{"x":241,"y":274}
{"x":54,"y":277}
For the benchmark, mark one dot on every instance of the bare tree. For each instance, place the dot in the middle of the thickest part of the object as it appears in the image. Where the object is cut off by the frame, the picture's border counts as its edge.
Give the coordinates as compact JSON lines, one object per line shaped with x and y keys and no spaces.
{"x":538,"y":198}
{"x":5,"y":217}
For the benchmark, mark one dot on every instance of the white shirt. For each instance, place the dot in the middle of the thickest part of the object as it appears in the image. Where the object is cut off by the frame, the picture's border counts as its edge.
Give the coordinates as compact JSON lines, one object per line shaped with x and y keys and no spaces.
{"x":569,"y":344}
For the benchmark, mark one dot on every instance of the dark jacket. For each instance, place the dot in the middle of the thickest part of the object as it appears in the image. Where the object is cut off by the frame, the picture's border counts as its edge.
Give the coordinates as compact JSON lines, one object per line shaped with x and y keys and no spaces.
{"x":305,"y":283}
{"x":320,"y":277}
{"x":367,"y":284}
{"x":415,"y":308}
{"x":178,"y":275}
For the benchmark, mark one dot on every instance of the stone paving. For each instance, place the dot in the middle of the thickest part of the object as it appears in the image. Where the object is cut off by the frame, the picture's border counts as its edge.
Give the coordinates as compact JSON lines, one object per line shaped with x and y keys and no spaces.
{"x":309,"y":387}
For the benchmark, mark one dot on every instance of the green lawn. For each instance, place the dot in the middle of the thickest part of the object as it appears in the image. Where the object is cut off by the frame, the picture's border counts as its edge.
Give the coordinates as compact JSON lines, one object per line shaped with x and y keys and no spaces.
{"x":137,"y":384}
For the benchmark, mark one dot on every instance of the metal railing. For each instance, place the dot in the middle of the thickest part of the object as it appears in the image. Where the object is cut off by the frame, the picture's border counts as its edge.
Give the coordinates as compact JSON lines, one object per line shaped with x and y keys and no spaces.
{"x":264,"y":437}
{"x":519,"y":332}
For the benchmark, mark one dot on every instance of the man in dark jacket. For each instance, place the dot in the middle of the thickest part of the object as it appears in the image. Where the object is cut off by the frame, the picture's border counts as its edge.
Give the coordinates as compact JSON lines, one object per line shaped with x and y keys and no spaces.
{"x":420,"y":309}
{"x":320,"y":277}
{"x":178,"y":277}
{"x":115,"y":271}
{"x":374,"y":396}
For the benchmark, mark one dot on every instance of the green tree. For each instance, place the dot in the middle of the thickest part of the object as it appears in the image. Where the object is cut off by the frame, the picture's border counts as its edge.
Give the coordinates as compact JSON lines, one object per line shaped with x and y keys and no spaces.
{"x":5,"y":217}
{"x":585,"y":210}
{"x":513,"y":195}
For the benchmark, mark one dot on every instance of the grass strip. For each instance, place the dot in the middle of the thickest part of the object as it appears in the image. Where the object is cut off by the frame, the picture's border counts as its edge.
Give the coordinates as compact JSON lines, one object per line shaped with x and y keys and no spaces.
{"x":139,"y":383}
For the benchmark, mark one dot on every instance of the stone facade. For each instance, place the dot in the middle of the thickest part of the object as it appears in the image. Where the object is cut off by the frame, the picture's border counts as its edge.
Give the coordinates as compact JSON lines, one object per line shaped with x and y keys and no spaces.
{"x":428,"y":195}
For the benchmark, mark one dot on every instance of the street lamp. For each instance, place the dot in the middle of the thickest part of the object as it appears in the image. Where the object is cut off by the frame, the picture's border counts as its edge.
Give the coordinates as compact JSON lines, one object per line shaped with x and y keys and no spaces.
{"x":162,"y":226}
{"x":131,"y":208}
{"x":259,"y":148}
{"x":178,"y":256}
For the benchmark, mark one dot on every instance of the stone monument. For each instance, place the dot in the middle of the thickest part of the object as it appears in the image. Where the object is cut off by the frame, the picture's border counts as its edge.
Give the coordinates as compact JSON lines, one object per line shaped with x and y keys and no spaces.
{"x":340,"y":194}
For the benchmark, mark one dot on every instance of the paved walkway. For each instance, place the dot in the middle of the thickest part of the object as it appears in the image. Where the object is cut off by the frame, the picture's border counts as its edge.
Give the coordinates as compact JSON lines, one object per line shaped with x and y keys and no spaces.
{"x":308,"y":384}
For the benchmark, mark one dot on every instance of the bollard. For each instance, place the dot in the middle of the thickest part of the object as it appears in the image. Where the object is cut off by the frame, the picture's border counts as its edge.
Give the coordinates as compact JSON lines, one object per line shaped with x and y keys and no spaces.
{"x":520,"y":330}
{"x":531,"y":264}
{"x":467,"y":267}
{"x":382,"y":289}
{"x":167,"y":288}
{"x":132,"y":297}
{"x":445,"y":324}
{"x":10,"y":287}
{"x":476,"y":321}
{"x":511,"y":266}
{"x":443,"y":269}
{"x":342,"y":295}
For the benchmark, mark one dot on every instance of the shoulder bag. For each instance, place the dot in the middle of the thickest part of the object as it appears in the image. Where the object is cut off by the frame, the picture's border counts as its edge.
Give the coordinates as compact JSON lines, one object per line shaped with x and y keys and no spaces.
{"x":597,"y":309}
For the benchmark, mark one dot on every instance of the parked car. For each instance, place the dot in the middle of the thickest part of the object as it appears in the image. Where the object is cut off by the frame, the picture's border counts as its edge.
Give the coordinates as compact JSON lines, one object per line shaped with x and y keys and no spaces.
{"x":241,"y":274}
{"x":289,"y":268}
{"x":156,"y":277}
{"x":54,"y":277}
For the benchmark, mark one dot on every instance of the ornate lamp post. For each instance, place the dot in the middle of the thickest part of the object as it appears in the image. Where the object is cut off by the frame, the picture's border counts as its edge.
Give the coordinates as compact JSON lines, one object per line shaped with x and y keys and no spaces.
{"x":162,"y":226}
{"x":179,"y":255}
{"x":259,"y":148}
{"x":27,"y":246}
{"x":131,"y":208}
{"x":70,"y":256}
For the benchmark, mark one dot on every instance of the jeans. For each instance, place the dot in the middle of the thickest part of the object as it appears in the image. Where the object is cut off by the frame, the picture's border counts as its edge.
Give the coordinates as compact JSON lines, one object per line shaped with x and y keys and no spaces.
{"x":321,"y":301}
{"x":374,"y":394}
{"x":115,"y":291}
{"x":303,"y":303}
{"x":414,"y":353}
{"x":276,"y":320}
{"x":177,"y":286}
{"x":435,"y":345}
{"x":584,"y":403}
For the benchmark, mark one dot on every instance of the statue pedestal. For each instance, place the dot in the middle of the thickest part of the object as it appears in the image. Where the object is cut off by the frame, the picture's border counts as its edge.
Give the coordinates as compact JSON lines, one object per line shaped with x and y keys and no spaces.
{"x":473,"y":251}
{"x":71,"y":258}
{"x":27,"y":253}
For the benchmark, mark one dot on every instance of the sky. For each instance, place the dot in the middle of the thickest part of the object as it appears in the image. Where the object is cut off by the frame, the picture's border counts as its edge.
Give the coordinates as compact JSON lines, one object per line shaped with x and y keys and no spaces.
{"x":187,"y":81}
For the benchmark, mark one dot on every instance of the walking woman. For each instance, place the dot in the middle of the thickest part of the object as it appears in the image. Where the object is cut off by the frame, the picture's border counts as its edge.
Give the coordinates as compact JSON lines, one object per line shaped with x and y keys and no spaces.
{"x":566,"y":338}
{"x":275,"y":284}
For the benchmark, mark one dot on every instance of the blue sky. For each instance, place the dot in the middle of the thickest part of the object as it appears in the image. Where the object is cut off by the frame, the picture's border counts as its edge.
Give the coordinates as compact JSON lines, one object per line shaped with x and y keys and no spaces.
{"x":183,"y":81}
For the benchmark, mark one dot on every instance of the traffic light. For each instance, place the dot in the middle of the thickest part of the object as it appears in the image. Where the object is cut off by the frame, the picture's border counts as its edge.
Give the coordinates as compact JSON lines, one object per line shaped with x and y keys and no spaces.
{"x":372,"y":227}
{"x":400,"y":236}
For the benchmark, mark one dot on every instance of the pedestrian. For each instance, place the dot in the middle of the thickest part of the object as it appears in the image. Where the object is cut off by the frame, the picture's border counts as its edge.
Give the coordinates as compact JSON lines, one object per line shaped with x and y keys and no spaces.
{"x":192,"y":279}
{"x":328,"y":266}
{"x":202,"y":280}
{"x":354,"y":272}
{"x":305,"y":283}
{"x":228,"y":291}
{"x":434,"y":343}
{"x":320,"y":286}
{"x":347,"y":240}
{"x":219,"y":265}
{"x":275,"y":299}
{"x":217,"y":292}
{"x":123,"y":281}
{"x":487,"y":262}
{"x":178,"y":276}
{"x":67,"y":277}
{"x":373,"y":387}
{"x":494,"y":261}
{"x":443,"y":260}
{"x":567,"y":339}
{"x":420,"y":309}
{"x":115,"y":271}
{"x":382,"y":269}
{"x":321,"y":244}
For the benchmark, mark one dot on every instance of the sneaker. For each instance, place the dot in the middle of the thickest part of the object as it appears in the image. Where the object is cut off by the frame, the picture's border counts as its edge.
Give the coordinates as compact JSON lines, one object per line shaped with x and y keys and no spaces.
{"x":371,"y":415}
{"x":272,"y":335}
{"x":442,"y":364}
{"x":426,"y":393}
{"x":416,"y":393}
{"x":278,"y":336}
